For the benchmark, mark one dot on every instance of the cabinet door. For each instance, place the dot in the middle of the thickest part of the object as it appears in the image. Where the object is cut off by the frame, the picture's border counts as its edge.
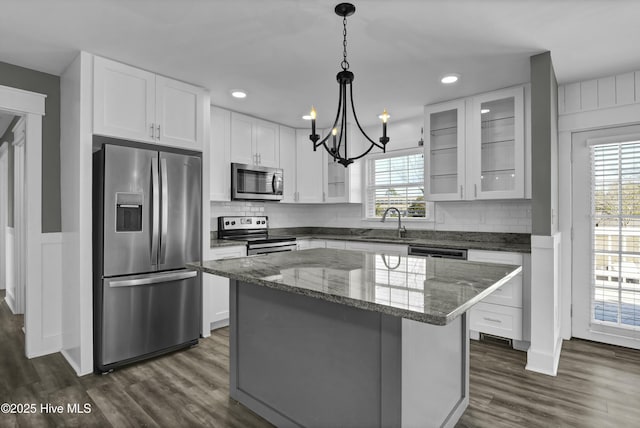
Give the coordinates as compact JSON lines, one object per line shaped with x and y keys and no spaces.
{"x":444,"y":173}
{"x":220,"y":170}
{"x":288,"y":163}
{"x":495,"y":145}
{"x":267,"y":143}
{"x":242,"y":139}
{"x":309,"y":173}
{"x":215,"y":291}
{"x":179,"y":110}
{"x":123,"y":101}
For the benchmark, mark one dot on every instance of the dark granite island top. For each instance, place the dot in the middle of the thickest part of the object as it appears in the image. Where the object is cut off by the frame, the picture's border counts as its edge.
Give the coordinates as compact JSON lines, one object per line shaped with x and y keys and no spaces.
{"x":430,"y":290}
{"x":324,"y":338}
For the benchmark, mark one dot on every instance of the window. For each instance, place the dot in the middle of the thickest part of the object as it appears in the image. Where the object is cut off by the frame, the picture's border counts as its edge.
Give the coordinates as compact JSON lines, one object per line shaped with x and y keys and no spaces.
{"x":616,"y":234}
{"x":396,"y":181}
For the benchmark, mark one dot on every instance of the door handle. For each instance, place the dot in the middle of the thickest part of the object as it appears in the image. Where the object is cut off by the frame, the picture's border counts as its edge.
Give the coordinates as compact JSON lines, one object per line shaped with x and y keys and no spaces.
{"x":158,"y":132}
{"x":151,"y":133}
{"x":461,"y":191}
{"x":164,"y":218}
{"x":155,"y":210}
{"x":156,"y":278}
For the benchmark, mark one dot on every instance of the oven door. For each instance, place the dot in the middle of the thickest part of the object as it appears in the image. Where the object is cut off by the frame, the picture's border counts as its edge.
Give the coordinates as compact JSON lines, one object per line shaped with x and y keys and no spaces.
{"x":276,"y":247}
{"x":250,"y":182}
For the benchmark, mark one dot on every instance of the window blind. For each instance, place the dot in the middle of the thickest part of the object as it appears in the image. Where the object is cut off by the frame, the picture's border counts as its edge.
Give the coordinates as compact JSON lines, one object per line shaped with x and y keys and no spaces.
{"x":615,"y":190}
{"x":396,"y":181}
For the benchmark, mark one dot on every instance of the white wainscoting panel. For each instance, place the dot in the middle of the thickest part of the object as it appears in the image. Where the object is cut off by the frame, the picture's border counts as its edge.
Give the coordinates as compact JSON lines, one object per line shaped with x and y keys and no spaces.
{"x":51,"y":293}
{"x":611,"y":91}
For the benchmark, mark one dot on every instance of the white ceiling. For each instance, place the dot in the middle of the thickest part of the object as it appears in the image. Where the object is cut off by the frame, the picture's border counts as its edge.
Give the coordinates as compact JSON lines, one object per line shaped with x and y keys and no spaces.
{"x":286,"y":53}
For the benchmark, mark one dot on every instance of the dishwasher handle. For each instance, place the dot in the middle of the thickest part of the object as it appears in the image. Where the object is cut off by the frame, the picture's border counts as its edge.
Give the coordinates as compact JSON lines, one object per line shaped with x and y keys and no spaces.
{"x":445,"y":253}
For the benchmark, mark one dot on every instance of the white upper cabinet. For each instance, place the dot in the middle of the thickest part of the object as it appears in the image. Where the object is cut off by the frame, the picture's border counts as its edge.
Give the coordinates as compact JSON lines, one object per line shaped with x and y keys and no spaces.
{"x":309,"y":169}
{"x":496,"y":146}
{"x":254,"y":141}
{"x":475,"y":147}
{"x":179,"y":113}
{"x":138,"y":105}
{"x":220,"y":170}
{"x":288,"y":163}
{"x":342,"y":184}
{"x":445,"y":151}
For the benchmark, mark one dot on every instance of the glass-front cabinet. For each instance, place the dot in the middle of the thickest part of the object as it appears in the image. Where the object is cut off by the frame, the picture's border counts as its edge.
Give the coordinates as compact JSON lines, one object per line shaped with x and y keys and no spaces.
{"x":445,"y":151}
{"x":342,"y":184}
{"x":496,"y":145}
{"x":474,"y":147}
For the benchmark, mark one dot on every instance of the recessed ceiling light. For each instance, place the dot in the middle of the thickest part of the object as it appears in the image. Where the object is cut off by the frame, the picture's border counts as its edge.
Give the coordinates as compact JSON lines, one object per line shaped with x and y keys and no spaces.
{"x":484,"y":110}
{"x":306,"y":117}
{"x":450,"y":78}
{"x":238,"y":93}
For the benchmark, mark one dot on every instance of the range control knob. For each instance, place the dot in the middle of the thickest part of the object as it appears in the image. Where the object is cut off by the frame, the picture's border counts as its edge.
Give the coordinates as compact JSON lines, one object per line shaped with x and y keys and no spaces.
{"x":226,"y":223}
{"x":233,"y":222}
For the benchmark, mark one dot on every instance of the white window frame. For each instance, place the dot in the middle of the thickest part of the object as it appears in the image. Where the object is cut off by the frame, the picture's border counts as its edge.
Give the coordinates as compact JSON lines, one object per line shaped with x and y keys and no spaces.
{"x":429,"y":206}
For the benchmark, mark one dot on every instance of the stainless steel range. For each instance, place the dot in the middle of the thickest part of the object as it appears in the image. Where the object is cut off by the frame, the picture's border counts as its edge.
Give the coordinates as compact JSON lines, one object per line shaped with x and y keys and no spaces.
{"x":255,"y":231}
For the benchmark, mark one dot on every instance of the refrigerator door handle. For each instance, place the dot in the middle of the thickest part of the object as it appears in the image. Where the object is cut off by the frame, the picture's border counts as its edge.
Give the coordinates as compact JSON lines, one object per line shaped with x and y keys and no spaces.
{"x":155,"y":210}
{"x":156,"y":278}
{"x":164,"y":220}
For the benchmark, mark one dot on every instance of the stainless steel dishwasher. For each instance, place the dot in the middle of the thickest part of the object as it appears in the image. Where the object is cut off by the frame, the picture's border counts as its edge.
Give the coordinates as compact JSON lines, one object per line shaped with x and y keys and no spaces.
{"x":445,"y":253}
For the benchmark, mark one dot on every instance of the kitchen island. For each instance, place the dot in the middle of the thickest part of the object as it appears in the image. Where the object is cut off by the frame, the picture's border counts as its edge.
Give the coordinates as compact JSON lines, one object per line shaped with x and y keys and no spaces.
{"x":346,"y":338}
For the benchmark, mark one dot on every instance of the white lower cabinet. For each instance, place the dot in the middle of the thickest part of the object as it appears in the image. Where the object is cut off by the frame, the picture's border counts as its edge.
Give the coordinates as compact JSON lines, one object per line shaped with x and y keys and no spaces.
{"x":215,"y":291}
{"x":506,"y":311}
{"x":340,"y":245}
{"x":393,"y":249}
{"x":305,"y":244}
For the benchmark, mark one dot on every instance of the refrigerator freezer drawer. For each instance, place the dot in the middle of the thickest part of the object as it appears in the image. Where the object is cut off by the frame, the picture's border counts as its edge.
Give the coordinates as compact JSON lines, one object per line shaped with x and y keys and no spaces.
{"x":144,"y":315}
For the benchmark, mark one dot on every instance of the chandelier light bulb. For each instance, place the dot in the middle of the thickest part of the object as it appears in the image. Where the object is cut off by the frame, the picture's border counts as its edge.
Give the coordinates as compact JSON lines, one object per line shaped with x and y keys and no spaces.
{"x":313,"y":113}
{"x":384,"y":116}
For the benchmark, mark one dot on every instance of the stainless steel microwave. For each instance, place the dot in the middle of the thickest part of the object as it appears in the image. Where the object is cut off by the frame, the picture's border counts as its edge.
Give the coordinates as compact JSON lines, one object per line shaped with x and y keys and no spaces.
{"x":251,"y":182}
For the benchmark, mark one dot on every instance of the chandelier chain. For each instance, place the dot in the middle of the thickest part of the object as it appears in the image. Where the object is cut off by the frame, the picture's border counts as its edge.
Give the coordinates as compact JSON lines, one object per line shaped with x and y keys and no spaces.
{"x":345,"y":63}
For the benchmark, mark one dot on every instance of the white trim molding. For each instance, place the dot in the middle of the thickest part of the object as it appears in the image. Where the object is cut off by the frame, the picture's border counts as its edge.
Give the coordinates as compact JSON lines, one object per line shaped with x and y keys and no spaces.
{"x":546,"y":342}
{"x":31,"y":106}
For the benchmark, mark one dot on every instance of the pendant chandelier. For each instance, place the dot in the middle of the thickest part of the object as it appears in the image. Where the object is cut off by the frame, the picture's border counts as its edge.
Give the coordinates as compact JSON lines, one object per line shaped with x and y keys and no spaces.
{"x":338,"y":147}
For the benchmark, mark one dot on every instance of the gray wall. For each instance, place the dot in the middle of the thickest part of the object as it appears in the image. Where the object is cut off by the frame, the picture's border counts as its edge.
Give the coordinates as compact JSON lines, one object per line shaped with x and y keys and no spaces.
{"x":544,"y":146}
{"x":48,"y":84}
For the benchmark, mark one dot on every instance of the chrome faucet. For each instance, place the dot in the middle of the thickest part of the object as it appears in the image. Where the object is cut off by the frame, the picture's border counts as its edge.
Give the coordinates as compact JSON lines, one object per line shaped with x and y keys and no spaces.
{"x":401,"y":229}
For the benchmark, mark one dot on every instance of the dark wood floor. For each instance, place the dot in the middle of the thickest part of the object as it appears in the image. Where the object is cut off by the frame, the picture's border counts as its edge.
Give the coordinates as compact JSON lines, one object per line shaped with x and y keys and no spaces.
{"x":597,"y":386}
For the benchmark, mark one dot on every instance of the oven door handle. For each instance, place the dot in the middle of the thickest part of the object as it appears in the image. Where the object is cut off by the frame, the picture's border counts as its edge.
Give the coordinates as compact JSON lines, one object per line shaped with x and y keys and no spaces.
{"x":272,"y":245}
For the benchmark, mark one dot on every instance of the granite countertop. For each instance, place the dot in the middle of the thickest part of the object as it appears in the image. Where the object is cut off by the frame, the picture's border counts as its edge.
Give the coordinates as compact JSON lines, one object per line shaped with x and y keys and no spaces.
{"x":513,"y":242}
{"x":430,"y":290}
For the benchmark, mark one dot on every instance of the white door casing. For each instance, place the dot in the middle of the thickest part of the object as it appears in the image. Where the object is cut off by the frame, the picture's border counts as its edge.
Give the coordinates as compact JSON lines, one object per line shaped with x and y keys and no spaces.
{"x":582,"y":243}
{"x":4,"y":202}
{"x":31,"y":106}
{"x":19,"y":260}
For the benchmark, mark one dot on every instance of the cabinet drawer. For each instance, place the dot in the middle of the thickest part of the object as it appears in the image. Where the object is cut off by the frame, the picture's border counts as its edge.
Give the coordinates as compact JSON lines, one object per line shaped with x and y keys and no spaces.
{"x":510,"y":294}
{"x":335,"y":244}
{"x":498,"y":320}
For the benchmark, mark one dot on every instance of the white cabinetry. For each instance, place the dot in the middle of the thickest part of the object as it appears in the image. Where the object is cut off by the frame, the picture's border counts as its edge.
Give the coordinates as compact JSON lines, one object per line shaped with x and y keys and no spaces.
{"x":309,"y":186}
{"x":475,"y":147}
{"x":220,"y":171}
{"x":305,"y":244}
{"x":340,"y":184}
{"x":215,"y":291}
{"x":392,"y":249}
{"x":445,"y":151}
{"x":505,"y":312}
{"x":254,"y":141}
{"x":288,"y":163}
{"x":138,"y":105}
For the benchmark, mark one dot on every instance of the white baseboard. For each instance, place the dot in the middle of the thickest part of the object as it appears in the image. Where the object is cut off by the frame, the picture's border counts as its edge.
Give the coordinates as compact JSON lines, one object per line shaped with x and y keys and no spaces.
{"x":219,"y":324}
{"x":544,"y":362}
{"x":11,"y":302}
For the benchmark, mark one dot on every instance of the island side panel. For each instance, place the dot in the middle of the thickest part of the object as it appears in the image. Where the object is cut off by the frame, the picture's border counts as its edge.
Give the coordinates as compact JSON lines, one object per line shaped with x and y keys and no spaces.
{"x":435,"y":373}
{"x":301,"y":361}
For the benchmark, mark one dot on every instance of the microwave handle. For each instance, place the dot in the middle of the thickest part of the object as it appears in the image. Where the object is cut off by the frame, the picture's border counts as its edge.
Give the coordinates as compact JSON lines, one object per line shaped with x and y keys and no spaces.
{"x":276,"y":184}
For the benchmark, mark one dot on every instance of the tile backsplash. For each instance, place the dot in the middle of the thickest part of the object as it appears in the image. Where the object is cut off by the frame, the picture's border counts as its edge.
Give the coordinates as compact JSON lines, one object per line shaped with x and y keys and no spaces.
{"x":510,"y":216}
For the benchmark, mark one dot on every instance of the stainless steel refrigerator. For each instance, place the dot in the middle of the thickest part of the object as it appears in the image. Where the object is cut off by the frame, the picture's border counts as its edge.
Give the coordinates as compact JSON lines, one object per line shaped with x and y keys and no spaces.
{"x":147,"y":225}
